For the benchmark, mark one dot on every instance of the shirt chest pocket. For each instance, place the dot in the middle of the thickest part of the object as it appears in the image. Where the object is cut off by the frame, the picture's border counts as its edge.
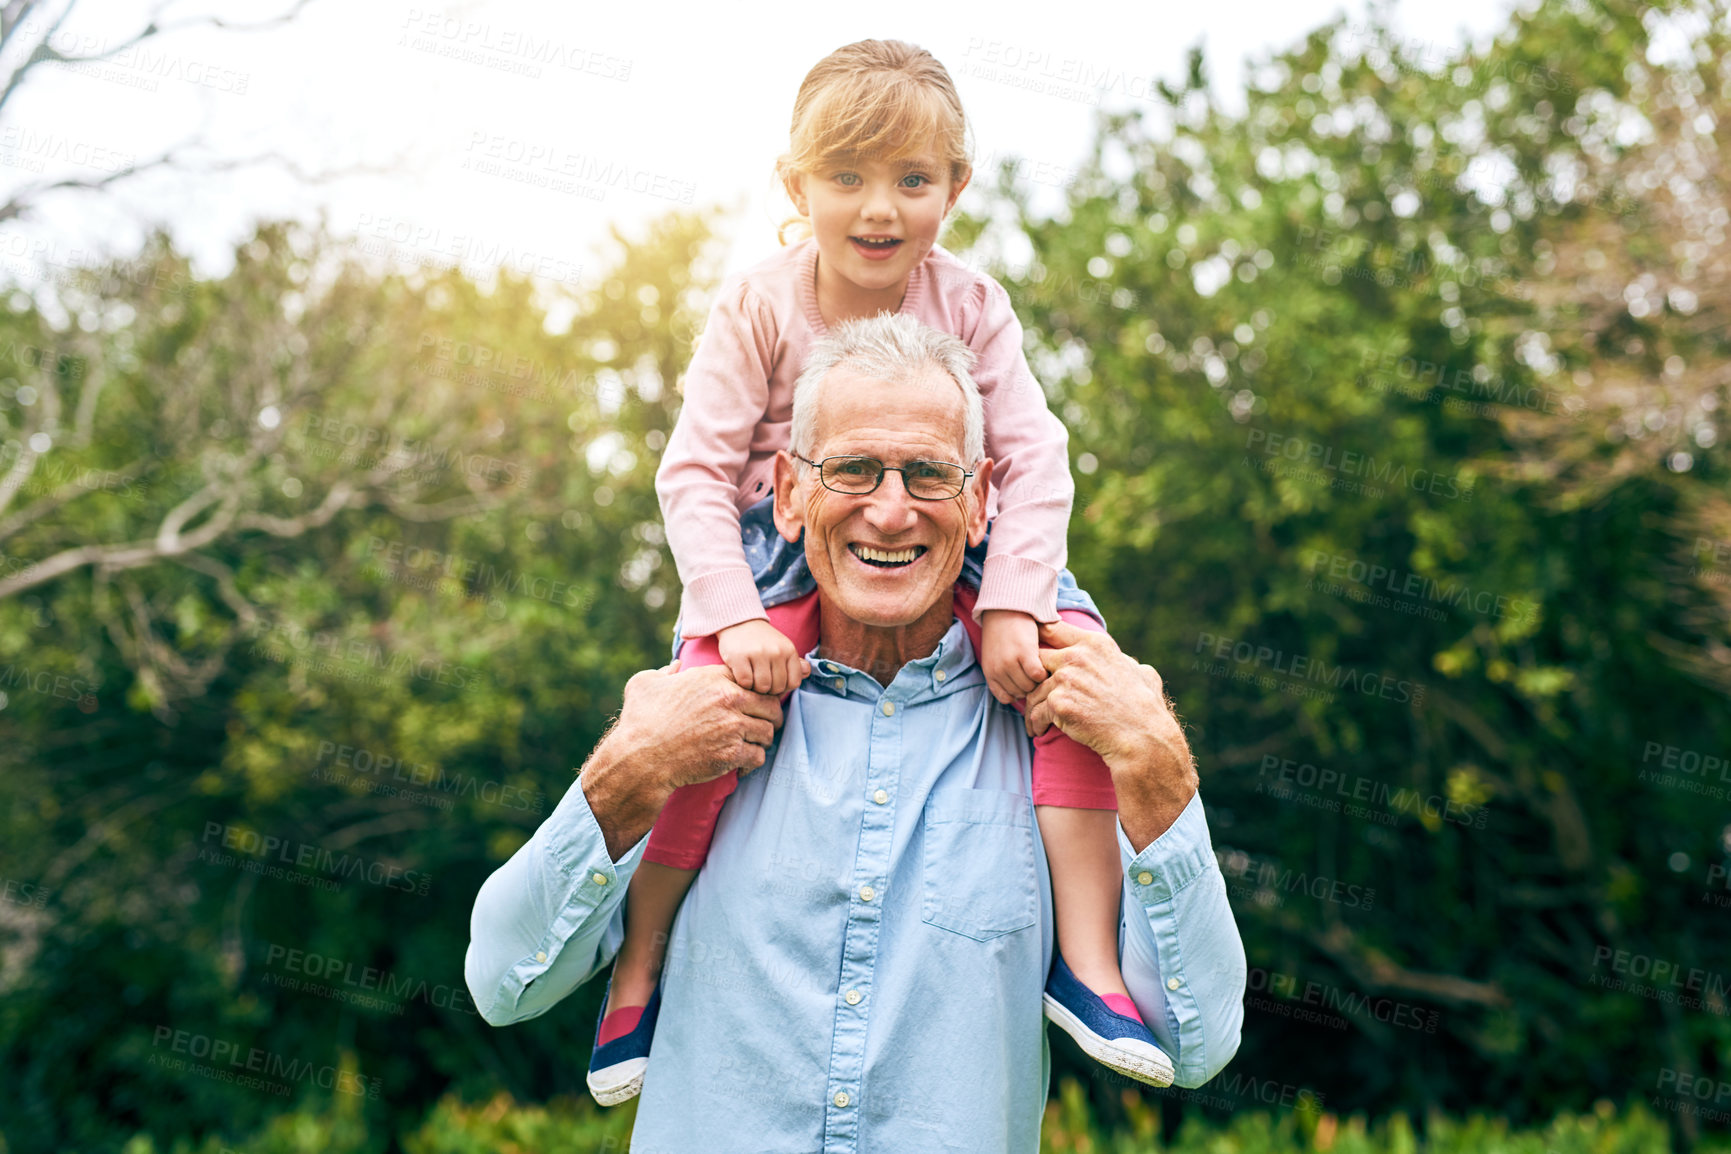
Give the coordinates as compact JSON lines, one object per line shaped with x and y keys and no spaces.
{"x":980,"y":878}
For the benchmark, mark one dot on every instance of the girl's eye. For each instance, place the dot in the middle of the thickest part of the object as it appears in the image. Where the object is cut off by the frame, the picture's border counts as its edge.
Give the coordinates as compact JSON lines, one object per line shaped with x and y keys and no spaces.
{"x":915,"y":180}
{"x":848,"y":179}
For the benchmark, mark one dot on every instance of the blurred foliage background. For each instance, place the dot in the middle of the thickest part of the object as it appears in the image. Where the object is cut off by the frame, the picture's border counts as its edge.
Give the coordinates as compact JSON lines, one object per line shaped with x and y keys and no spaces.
{"x":1396,"y":404}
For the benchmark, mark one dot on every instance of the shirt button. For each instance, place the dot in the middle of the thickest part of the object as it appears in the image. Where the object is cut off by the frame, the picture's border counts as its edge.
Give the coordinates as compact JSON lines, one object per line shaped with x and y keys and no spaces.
{"x":939,"y":675}
{"x":852,"y":997}
{"x":1145,"y":878}
{"x":540,"y":955}
{"x":866,"y":893}
{"x":841,"y":683}
{"x":889,"y":708}
{"x":841,"y":1098}
{"x":598,"y":878}
{"x":1173,"y":983}
{"x":880,"y":797}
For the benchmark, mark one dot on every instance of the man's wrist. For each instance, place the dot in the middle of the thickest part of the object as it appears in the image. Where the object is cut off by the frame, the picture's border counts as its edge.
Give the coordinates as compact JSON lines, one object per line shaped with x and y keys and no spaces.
{"x":1154,"y":784}
{"x":624,"y":799}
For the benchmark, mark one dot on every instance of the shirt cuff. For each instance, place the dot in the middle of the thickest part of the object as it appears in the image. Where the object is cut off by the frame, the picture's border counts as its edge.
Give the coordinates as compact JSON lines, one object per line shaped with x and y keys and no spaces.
{"x":716,"y":600}
{"x":588,"y":884}
{"x":1171,"y":861}
{"x":1021,"y":584}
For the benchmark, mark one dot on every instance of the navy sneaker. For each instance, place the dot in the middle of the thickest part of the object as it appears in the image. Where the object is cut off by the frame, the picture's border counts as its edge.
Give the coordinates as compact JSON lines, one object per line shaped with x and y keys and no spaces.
{"x":1114,"y":1040}
{"x":616,"y":1067}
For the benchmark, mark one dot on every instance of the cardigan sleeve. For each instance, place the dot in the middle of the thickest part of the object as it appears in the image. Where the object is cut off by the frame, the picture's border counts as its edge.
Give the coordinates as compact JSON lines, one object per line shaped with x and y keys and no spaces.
{"x":726,"y":393}
{"x":1028,"y":445}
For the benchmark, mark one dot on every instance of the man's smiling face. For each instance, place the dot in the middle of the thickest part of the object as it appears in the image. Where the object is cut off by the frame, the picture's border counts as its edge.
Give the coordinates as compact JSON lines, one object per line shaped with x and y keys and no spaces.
{"x":883,"y":558}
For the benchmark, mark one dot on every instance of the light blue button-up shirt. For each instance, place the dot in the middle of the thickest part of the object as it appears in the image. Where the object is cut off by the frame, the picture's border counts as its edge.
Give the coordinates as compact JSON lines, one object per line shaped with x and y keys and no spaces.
{"x":859,"y":965}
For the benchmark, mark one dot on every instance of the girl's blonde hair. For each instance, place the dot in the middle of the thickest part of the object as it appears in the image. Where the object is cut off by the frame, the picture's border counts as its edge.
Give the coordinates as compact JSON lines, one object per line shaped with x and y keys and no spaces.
{"x":884,"y":99}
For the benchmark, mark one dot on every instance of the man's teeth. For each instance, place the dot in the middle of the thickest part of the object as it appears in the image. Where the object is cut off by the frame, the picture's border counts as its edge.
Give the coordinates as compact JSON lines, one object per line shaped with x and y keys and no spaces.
{"x":887,"y":556}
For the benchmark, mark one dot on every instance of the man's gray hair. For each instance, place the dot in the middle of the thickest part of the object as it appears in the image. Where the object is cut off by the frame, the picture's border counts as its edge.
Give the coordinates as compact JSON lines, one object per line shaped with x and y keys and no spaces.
{"x":889,"y":347}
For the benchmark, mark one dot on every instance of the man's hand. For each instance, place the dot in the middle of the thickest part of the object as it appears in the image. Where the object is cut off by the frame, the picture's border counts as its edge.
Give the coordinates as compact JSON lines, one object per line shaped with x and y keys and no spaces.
{"x":1118,"y":708}
{"x":1010,"y":654}
{"x":675,"y":728}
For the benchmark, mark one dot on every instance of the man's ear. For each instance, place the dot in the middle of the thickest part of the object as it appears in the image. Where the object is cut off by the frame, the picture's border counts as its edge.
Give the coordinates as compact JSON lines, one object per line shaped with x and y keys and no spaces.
{"x":981,"y":483}
{"x":794,"y":183}
{"x":789,"y":513}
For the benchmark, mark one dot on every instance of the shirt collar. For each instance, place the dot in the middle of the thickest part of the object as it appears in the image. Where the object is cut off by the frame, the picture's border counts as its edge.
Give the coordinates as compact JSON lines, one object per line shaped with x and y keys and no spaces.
{"x":949,"y":667}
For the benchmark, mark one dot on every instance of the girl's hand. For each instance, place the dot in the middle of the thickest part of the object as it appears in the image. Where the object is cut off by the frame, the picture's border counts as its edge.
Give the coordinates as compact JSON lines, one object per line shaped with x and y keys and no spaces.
{"x":1011,"y":654}
{"x":761,"y":659}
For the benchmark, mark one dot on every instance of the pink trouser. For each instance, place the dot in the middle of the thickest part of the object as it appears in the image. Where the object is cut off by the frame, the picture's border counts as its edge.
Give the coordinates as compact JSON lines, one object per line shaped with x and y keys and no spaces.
{"x":1066,"y":772}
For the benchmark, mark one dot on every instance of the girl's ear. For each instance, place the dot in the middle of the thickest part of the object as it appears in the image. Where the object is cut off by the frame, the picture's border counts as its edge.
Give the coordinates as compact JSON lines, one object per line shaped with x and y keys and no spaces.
{"x":794,"y":182}
{"x":956,"y":192}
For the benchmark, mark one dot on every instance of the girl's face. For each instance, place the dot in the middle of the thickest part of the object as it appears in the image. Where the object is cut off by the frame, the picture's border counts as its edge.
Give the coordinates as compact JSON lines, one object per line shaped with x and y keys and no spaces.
{"x":874,"y":220}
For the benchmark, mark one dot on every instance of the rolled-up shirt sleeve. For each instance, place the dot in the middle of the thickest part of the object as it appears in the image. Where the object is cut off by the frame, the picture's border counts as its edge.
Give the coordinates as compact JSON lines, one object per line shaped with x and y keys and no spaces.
{"x":1182,"y":958}
{"x":549,"y":918}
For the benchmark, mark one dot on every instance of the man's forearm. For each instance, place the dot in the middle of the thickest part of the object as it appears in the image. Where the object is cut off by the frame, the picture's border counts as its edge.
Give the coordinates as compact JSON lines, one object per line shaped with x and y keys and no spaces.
{"x":624,"y":799}
{"x":1154,"y":784}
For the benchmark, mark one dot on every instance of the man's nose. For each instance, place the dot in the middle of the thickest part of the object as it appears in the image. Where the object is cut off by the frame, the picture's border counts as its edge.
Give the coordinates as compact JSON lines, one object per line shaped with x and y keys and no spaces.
{"x":889,"y":509}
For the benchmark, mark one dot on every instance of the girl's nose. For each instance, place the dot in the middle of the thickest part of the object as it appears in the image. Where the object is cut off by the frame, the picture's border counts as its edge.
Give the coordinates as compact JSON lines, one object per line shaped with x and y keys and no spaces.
{"x":879,"y":205}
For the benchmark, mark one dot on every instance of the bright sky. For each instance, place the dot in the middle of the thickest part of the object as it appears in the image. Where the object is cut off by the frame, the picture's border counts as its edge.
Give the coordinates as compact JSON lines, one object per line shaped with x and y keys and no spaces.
{"x":526,"y":129}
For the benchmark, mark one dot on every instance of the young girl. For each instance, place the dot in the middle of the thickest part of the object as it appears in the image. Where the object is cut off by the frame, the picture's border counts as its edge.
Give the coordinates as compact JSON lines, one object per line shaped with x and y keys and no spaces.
{"x":877,"y":161}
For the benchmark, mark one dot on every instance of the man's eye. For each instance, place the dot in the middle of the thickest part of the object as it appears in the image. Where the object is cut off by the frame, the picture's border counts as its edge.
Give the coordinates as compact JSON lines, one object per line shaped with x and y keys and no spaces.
{"x":854,"y":469}
{"x":927,"y":470}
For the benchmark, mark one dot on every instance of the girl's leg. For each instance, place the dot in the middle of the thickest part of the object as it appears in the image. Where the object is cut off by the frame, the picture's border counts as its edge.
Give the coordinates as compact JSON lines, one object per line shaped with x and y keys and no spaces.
{"x":1078,"y":812}
{"x":650,"y":903}
{"x":1082,"y":851}
{"x":679,"y":843}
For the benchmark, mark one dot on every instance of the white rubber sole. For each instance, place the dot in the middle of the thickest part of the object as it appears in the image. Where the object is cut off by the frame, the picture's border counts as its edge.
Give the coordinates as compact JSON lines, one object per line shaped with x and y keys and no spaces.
{"x":619,"y":1082}
{"x":1129,"y":1057}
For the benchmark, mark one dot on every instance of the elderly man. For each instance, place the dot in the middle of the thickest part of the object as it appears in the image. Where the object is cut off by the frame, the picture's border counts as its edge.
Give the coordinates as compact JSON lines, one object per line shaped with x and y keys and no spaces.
{"x":860,"y":964}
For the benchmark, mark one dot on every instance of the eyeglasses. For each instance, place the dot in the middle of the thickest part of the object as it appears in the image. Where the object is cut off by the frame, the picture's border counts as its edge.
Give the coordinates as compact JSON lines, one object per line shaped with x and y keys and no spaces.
{"x":923,"y":480}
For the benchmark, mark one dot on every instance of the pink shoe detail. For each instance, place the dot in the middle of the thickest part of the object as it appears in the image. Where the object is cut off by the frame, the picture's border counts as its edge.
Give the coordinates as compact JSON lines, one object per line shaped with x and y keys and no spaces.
{"x":619,"y":1023}
{"x":1118,"y":1004}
